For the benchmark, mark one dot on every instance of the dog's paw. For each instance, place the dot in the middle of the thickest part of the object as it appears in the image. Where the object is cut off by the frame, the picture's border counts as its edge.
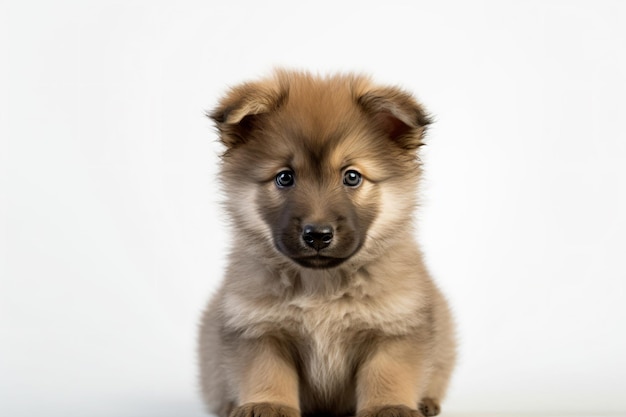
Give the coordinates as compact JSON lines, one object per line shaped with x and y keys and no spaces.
{"x":264,"y":410}
{"x":389,"y":411}
{"x":429,"y":407}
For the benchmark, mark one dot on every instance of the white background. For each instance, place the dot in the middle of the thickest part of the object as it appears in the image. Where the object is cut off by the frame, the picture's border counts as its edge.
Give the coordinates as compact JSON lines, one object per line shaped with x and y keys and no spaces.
{"x":112,"y":236}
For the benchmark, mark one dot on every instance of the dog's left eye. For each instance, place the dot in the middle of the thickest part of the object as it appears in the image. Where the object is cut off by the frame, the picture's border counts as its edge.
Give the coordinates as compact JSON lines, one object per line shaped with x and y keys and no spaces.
{"x":285,"y":179}
{"x":352,"y":178}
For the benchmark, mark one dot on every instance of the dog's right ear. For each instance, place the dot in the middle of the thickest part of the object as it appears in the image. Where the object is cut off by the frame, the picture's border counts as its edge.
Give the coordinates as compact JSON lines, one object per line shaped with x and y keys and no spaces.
{"x":236,"y":114}
{"x":397,"y":114}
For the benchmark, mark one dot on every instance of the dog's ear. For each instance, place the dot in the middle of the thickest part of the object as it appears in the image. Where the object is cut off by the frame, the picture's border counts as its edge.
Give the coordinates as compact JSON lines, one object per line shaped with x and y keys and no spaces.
{"x":397,"y":114}
{"x":235,"y":116}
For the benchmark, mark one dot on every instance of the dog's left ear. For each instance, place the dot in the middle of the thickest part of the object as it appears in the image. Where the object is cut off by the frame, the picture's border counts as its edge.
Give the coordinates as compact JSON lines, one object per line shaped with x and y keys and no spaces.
{"x":397,"y":114}
{"x":236,"y":114}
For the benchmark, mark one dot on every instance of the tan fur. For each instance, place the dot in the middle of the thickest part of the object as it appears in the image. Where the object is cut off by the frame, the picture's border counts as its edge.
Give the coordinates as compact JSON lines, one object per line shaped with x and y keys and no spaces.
{"x":354,"y":327}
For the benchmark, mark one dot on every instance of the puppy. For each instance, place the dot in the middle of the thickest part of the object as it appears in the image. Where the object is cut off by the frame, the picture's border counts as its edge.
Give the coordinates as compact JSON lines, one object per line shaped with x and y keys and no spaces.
{"x":326,"y":307}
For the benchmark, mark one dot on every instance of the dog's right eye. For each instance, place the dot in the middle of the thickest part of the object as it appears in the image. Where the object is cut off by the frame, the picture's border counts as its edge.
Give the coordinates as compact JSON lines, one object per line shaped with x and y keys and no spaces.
{"x":285,"y":179}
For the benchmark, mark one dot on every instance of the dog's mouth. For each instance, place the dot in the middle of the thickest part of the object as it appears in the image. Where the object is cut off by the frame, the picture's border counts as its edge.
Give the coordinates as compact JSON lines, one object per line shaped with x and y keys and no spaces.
{"x":318,"y":248}
{"x":318,"y":261}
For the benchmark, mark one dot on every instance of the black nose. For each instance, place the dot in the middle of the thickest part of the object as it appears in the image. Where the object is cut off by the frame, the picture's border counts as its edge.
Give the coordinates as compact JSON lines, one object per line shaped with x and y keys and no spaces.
{"x":317,"y":236}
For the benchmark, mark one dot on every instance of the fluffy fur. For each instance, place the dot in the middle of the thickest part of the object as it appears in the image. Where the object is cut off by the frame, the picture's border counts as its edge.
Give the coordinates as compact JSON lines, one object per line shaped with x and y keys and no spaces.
{"x":326,"y":307}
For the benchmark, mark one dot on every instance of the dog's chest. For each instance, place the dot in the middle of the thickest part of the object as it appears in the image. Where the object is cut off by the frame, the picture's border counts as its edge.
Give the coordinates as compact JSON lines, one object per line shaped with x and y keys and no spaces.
{"x":331,"y":333}
{"x":325,"y":337}
{"x":335,"y":334}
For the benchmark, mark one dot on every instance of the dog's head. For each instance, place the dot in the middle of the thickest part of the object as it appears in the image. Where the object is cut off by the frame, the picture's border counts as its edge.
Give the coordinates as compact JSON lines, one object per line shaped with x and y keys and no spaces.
{"x":319,"y":169}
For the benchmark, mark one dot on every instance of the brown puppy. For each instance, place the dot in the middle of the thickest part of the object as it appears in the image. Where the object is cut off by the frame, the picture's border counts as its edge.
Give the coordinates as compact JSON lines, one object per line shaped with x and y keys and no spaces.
{"x":326,"y":307}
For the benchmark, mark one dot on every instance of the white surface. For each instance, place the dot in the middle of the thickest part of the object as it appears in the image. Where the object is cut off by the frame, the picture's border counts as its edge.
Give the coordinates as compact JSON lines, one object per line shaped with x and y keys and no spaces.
{"x":112,"y":238}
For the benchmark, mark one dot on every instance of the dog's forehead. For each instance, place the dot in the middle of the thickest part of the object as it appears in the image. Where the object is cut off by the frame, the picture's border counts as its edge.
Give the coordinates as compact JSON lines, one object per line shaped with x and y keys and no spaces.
{"x":320,"y":113}
{"x":326,"y":148}
{"x":314,"y":122}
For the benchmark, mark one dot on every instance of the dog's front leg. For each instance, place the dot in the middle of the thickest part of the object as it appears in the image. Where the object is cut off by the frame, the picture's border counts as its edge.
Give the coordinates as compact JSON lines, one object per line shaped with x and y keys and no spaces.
{"x":390,"y":380}
{"x":268,"y":385}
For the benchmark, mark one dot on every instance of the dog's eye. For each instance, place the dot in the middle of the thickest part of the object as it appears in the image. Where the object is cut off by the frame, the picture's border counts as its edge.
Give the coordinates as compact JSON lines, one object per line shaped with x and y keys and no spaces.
{"x":285,"y":179}
{"x":352,"y":178}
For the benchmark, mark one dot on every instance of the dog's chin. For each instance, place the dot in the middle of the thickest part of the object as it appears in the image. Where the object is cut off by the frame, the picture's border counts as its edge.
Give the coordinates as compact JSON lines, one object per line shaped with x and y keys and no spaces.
{"x":318,"y":261}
